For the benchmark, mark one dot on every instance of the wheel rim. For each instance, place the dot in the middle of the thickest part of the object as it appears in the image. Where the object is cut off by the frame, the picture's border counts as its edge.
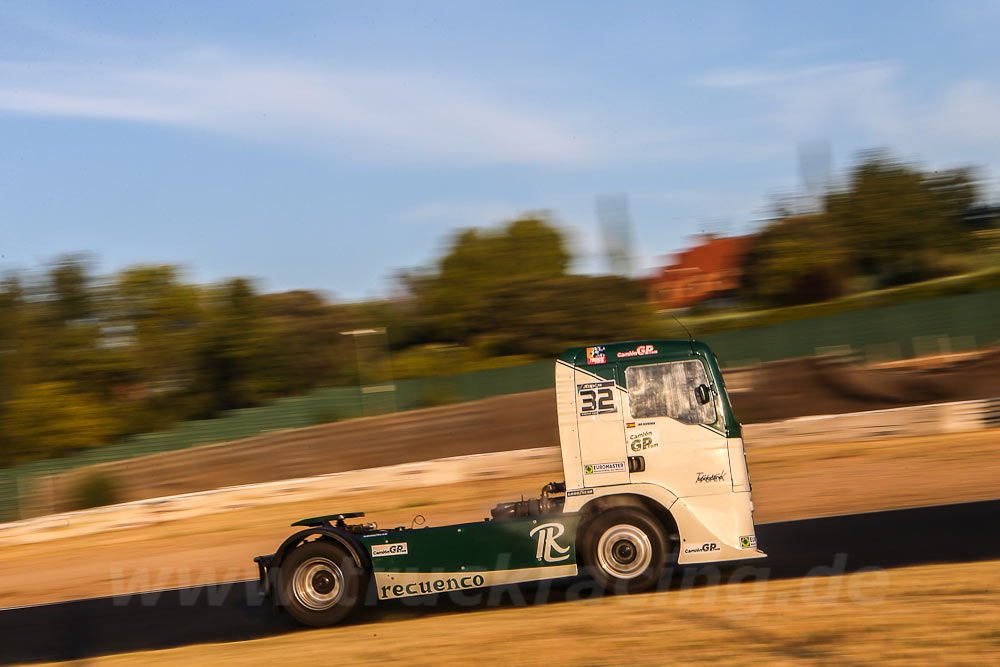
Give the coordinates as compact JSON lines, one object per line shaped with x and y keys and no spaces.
{"x":318,"y":584}
{"x":624,"y":551}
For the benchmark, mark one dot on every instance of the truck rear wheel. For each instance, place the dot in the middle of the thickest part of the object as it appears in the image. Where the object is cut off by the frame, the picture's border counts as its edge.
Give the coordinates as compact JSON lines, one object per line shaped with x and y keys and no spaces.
{"x":624,"y":550}
{"x":320,"y":583}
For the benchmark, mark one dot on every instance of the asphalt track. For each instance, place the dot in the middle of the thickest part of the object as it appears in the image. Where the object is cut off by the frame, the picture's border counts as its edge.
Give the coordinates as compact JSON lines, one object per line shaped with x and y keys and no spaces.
{"x":234,"y":611}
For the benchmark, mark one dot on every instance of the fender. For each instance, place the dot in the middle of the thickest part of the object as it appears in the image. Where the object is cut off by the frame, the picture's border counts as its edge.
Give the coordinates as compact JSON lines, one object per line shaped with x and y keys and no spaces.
{"x":655,"y":492}
{"x":348,"y":541}
{"x":341,"y":537}
{"x":625,"y":496}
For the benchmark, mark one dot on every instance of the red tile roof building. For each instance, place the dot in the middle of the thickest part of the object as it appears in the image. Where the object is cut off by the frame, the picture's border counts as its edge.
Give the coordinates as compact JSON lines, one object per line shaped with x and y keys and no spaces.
{"x":708,"y":270}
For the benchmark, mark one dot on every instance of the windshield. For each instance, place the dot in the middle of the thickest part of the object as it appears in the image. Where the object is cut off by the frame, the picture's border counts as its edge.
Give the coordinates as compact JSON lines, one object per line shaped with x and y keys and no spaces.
{"x":669,"y":390}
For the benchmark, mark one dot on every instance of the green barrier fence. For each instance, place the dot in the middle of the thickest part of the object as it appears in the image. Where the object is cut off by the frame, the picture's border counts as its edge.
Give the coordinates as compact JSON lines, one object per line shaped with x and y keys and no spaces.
{"x":918,"y":328}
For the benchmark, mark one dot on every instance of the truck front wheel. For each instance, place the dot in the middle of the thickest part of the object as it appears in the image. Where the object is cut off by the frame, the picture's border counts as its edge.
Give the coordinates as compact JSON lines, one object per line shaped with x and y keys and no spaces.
{"x":624,"y":550}
{"x":320,"y":583}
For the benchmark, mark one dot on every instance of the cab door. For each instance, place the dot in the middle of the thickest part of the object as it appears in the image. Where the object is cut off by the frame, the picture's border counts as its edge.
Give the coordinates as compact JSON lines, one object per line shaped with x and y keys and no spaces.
{"x":601,"y":429}
{"x":674,"y":425}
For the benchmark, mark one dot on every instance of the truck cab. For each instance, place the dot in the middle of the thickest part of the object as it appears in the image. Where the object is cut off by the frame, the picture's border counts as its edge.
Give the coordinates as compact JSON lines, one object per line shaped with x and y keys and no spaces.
{"x":654,"y":474}
{"x":653,"y":419}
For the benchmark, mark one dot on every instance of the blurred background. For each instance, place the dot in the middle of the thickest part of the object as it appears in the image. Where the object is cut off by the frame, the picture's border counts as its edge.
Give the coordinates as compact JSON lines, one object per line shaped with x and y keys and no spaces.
{"x":236,"y":219}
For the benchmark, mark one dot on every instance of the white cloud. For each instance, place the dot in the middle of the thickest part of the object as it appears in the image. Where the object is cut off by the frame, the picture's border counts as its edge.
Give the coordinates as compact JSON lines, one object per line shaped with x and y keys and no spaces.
{"x":409,"y":117}
{"x":756,"y":77}
{"x":816,"y":98}
{"x":871,"y":101}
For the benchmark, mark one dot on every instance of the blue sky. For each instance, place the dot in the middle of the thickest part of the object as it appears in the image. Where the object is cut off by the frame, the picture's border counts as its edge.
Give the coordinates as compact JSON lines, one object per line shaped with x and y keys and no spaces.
{"x":326,"y":145}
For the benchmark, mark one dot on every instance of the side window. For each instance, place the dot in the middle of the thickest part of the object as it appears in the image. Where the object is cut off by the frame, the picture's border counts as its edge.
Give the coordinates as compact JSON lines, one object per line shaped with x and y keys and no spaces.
{"x":669,"y":390}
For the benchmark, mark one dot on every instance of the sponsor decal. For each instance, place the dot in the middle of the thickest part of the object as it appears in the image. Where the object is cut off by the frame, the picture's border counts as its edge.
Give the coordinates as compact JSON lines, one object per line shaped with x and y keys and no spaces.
{"x":441,"y":585}
{"x":598,"y":468}
{"x":640,"y":441}
{"x":640,"y":351}
{"x":707,"y":546}
{"x":579,"y":492}
{"x":398,"y":549}
{"x":596,"y":398}
{"x":548,"y":549}
{"x":708,"y":477}
{"x":595,"y":355}
{"x":748,"y":541}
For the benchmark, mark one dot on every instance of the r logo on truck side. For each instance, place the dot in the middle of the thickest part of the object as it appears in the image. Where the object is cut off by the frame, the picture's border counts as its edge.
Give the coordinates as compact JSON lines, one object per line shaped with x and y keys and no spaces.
{"x":547,"y":545}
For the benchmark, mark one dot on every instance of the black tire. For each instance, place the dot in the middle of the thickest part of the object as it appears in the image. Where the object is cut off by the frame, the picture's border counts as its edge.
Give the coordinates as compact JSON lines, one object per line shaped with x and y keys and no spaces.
{"x":624,"y":550}
{"x":320,"y":584}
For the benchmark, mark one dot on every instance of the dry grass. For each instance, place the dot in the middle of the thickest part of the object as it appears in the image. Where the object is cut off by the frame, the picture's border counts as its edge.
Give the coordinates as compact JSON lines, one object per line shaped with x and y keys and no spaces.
{"x":789,"y":482}
{"x":922,"y":615}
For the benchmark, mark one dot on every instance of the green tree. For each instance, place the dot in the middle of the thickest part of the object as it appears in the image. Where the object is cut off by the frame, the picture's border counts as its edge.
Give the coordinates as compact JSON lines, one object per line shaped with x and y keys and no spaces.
{"x":237,"y":352}
{"x":901,"y":224}
{"x":12,"y":358}
{"x":54,"y":419}
{"x":312,"y":351}
{"x":153,"y":323}
{"x":796,"y":260}
{"x":480,"y":262}
{"x":541,"y":317}
{"x":63,"y":324}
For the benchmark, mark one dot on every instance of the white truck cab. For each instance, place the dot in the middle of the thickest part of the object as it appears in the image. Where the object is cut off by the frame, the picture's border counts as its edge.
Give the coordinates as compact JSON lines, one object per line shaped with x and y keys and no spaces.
{"x":652,"y":419}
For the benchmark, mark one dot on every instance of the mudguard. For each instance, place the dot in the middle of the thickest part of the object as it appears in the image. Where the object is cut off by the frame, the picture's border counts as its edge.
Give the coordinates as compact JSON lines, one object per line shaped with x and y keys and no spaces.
{"x":270,"y":566}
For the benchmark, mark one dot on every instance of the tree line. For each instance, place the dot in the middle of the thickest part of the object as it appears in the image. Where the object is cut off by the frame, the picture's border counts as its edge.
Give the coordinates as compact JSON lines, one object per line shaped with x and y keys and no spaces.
{"x":86,"y":360}
{"x":888,"y":224}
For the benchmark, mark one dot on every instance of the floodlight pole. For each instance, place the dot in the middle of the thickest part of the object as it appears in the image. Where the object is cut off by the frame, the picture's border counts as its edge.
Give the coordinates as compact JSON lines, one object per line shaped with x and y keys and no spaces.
{"x":362,"y":390}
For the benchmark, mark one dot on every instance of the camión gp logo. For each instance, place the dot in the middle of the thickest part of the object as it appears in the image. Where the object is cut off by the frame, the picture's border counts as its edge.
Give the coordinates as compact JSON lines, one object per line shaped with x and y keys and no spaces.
{"x":547,"y":545}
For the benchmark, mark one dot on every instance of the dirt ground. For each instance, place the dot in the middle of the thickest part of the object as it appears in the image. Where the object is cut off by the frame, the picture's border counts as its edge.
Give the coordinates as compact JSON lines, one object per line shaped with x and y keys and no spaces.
{"x":936,"y":614}
{"x":818,"y":386}
{"x":789,"y":482}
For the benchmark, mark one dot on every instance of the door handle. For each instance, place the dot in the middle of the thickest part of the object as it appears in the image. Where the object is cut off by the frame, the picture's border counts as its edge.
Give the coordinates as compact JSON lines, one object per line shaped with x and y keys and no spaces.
{"x":636,"y":464}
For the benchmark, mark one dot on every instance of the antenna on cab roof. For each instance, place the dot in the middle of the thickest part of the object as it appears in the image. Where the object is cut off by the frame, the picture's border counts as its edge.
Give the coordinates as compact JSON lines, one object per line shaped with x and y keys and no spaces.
{"x":690,"y":337}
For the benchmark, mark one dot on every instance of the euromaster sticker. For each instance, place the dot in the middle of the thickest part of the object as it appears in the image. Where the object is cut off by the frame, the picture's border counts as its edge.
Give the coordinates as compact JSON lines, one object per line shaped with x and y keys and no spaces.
{"x":598,"y":468}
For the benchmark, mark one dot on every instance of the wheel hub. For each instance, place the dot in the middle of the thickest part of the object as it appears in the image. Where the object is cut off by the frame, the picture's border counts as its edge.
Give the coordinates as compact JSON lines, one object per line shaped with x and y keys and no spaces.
{"x":624,"y":551}
{"x":323,"y":583}
{"x":318,"y":584}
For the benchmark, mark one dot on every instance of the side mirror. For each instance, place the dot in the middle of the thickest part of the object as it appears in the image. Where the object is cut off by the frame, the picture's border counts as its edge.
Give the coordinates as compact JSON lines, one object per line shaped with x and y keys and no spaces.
{"x":703,"y":394}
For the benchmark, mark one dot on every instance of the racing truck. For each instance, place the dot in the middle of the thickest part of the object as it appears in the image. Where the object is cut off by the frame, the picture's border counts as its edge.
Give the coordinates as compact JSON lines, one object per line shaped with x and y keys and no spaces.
{"x":654,"y":474}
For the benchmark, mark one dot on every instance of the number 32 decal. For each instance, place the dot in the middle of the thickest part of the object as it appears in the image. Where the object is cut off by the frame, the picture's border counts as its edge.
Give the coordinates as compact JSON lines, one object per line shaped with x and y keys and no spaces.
{"x":596,"y":398}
